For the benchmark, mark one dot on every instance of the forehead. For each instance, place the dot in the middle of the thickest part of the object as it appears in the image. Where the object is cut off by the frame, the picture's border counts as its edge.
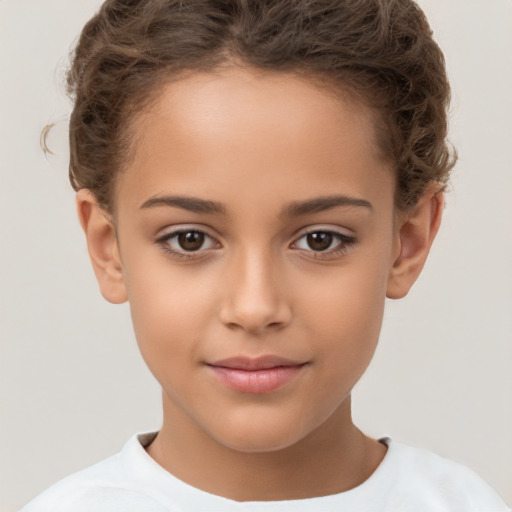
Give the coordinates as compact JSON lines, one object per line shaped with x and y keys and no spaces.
{"x":238,"y":126}
{"x":209,"y":104}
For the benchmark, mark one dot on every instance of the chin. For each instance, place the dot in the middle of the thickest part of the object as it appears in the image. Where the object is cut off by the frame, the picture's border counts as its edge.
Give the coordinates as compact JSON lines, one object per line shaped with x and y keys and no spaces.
{"x":259,"y":435}
{"x":259,"y":443}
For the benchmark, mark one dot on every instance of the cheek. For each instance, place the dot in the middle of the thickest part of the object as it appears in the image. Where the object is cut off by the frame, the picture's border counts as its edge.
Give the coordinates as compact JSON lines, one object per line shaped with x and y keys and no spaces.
{"x":345,"y":316}
{"x":352,"y":298}
{"x":169,"y":308}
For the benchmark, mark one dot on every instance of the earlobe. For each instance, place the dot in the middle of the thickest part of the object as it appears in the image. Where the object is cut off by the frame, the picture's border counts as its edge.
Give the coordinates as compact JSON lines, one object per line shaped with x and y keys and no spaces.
{"x":416,"y":234}
{"x":103,"y":247}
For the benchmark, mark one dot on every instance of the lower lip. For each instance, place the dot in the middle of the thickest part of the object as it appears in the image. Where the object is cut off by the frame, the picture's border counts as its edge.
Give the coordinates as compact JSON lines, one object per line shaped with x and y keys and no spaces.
{"x":256,"y":381}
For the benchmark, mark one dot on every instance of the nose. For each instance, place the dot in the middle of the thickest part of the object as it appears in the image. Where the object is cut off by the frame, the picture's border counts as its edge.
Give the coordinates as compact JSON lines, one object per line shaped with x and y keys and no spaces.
{"x":253,"y":299}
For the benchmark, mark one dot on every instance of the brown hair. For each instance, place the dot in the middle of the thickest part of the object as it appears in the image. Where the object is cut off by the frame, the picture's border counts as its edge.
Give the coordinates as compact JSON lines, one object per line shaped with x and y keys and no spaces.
{"x":381,"y":50}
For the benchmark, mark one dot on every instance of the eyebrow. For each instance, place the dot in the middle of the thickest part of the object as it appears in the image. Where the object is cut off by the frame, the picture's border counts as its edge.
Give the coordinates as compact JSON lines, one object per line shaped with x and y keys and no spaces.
{"x":294,"y":209}
{"x":321,"y":204}
{"x":192,"y":204}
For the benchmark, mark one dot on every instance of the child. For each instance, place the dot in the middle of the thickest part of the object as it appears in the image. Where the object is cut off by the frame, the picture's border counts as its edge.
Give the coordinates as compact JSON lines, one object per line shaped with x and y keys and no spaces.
{"x":255,"y":178}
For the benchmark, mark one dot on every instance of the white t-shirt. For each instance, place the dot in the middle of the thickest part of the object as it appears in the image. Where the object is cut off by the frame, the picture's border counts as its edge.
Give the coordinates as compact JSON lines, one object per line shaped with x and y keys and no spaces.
{"x":407,"y":480}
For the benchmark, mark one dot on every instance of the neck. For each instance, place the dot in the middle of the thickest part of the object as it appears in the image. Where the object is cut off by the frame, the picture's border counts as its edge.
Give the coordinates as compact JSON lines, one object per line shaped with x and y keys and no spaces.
{"x":333,"y":458}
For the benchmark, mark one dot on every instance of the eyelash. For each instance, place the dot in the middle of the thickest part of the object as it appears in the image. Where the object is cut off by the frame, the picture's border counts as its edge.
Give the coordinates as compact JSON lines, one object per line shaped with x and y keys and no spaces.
{"x":345,"y":242}
{"x":165,"y":240}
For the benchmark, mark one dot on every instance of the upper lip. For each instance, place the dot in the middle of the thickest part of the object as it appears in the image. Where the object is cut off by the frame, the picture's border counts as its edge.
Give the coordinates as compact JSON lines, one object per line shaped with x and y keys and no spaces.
{"x":255,"y":363}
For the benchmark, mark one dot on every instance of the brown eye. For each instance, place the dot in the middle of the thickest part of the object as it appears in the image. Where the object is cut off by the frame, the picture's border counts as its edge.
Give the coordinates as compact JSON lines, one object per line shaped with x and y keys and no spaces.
{"x":190,"y":243}
{"x":323,"y":243}
{"x":319,"y":240}
{"x":191,"y":240}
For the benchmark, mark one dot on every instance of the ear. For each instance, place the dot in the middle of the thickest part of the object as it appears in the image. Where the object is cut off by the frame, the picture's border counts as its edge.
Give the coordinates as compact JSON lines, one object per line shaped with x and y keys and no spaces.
{"x":103,"y":247}
{"x":416,"y":232}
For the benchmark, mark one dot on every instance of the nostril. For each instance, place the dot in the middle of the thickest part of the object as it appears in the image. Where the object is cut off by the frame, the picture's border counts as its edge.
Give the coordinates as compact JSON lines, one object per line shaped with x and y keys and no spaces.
{"x":234,"y":326}
{"x":255,"y":308}
{"x":255,"y":329}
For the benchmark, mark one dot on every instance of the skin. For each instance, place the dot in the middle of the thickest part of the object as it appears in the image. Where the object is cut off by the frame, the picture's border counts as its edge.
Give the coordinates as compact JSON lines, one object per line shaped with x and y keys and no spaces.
{"x":258,"y":144}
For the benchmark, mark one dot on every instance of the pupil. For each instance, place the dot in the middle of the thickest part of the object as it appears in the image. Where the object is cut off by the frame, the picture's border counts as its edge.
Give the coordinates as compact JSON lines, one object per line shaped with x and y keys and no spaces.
{"x":319,"y":241}
{"x":191,"y":240}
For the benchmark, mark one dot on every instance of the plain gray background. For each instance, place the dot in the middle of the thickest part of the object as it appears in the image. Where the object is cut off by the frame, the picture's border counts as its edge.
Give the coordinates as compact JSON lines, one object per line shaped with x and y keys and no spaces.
{"x":73,"y":387}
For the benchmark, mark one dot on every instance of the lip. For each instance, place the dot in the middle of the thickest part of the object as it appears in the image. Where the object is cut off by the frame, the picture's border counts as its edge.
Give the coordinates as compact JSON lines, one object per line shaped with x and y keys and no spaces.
{"x":259,"y":375}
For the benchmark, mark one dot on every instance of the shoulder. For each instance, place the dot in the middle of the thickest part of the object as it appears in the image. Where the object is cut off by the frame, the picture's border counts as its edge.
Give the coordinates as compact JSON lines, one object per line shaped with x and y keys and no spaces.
{"x":107,"y":486}
{"x":432,"y":482}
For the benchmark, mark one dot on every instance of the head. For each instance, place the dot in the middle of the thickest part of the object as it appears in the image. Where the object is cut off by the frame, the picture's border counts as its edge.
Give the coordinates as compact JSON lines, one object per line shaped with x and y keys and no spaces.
{"x":379,"y":51}
{"x":255,"y":177}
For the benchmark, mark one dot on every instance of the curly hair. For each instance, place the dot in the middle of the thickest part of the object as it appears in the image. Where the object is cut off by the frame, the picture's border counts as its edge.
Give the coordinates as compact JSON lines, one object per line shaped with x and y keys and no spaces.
{"x":382,"y":51}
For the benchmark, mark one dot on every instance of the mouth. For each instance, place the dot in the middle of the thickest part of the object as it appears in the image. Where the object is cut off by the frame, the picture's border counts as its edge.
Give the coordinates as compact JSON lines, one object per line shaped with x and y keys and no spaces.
{"x":255,"y":375}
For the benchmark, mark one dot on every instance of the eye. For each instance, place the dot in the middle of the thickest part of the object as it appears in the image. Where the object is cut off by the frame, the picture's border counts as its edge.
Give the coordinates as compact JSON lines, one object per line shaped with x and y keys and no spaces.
{"x":190,"y":240}
{"x":186,"y":242}
{"x":324,"y":241}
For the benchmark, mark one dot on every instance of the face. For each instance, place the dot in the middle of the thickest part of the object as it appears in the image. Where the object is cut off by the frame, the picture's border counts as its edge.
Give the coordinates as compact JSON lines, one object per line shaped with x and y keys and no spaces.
{"x":256,"y":238}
